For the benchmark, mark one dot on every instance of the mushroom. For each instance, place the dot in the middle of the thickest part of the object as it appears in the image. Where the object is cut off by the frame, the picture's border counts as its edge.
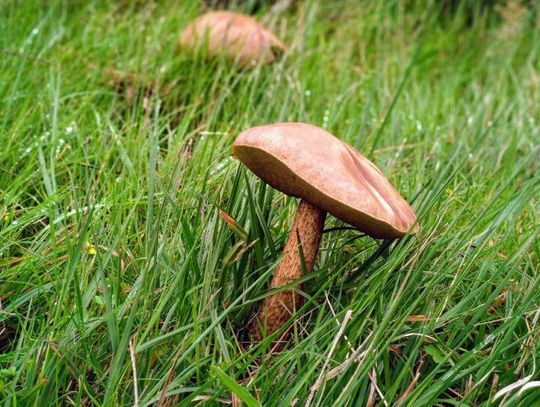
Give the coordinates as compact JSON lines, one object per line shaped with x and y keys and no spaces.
{"x":328,"y":175}
{"x":235,"y":35}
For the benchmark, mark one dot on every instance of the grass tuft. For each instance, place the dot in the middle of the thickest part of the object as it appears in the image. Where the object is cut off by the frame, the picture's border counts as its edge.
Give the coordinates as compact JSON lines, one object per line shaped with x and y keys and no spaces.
{"x":133,"y":248}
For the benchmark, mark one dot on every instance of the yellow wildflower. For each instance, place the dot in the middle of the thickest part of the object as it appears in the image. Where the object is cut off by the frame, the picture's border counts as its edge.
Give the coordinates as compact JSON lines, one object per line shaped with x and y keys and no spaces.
{"x":91,"y":249}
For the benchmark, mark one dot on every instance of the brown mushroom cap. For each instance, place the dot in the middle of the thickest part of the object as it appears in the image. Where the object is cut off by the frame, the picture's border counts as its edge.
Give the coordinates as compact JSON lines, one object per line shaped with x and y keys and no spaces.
{"x":307,"y":162}
{"x":235,"y":35}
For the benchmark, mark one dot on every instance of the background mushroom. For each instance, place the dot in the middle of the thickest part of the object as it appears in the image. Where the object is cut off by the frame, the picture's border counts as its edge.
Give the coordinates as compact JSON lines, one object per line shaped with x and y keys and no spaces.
{"x":327,"y":175}
{"x":235,"y":35}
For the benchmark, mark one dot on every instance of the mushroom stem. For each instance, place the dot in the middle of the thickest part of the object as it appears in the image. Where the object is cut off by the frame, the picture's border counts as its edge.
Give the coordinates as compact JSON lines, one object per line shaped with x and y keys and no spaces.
{"x":299,"y":253}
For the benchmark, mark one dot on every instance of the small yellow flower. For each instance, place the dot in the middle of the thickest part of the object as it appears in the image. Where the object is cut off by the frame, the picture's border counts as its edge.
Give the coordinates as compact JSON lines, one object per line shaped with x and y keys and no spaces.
{"x":91,"y":249}
{"x":6,"y":218}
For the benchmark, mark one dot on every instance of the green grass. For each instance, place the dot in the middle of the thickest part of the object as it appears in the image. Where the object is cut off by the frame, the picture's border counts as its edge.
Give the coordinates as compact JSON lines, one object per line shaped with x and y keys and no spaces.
{"x":113,"y":254}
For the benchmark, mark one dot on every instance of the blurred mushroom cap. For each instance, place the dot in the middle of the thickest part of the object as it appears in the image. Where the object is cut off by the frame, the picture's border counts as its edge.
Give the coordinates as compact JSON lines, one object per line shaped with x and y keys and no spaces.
{"x":235,"y":35}
{"x":307,"y":162}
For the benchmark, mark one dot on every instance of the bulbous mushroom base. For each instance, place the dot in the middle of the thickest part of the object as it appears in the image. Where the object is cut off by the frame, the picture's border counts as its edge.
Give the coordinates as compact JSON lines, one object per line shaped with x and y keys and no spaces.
{"x":299,"y":253}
